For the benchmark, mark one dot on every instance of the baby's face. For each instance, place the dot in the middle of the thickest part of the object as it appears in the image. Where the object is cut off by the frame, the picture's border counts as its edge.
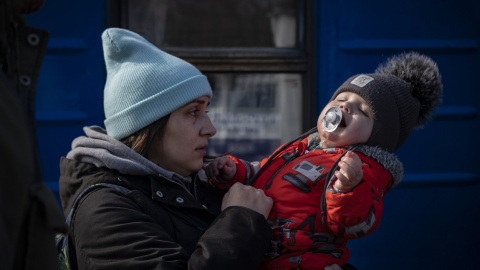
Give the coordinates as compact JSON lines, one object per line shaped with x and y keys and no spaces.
{"x":356,"y":125}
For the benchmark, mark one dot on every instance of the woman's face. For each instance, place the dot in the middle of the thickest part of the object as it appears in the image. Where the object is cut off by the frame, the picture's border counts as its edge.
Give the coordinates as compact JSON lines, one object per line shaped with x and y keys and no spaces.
{"x":183,"y":144}
{"x":356,"y":125}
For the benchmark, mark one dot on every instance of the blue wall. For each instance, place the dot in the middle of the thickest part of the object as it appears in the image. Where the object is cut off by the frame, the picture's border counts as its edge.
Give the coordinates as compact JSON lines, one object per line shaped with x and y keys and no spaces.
{"x":430,"y":219}
{"x":70,"y":86}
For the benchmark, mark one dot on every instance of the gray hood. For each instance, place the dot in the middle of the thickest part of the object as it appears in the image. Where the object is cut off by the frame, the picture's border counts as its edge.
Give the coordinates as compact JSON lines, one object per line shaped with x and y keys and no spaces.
{"x":101,"y":150}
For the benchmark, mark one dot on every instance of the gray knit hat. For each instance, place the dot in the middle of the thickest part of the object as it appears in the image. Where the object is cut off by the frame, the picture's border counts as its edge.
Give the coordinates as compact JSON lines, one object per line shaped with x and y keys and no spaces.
{"x":402,"y":94}
{"x":144,"y":83}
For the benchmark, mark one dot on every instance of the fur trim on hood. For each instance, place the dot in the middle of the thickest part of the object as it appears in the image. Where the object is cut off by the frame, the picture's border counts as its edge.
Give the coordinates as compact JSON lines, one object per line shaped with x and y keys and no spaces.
{"x":388,"y":160}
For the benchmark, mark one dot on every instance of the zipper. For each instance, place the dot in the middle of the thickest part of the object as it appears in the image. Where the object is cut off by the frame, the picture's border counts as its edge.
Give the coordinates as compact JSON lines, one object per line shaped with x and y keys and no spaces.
{"x":270,"y":180}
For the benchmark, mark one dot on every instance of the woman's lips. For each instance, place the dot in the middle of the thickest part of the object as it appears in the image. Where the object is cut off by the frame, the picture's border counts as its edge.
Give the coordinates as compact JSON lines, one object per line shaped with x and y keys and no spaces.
{"x":202,"y":150}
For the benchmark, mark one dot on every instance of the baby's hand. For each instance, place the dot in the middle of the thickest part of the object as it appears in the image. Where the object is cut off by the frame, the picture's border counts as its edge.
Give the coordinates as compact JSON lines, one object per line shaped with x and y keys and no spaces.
{"x":350,"y":172}
{"x":221,"y":169}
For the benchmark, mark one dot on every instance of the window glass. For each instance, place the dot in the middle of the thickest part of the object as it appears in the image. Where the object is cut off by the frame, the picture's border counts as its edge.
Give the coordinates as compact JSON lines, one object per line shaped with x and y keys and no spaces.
{"x":216,"y":23}
{"x":254,"y":113}
{"x":258,"y":108}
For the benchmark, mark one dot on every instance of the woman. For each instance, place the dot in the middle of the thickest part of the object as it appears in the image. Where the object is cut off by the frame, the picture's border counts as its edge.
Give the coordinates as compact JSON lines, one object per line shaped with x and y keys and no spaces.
{"x":158,"y":214}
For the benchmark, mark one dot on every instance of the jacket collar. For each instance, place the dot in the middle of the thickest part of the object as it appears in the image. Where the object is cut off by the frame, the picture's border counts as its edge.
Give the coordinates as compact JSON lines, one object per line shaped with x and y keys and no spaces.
{"x":388,"y":160}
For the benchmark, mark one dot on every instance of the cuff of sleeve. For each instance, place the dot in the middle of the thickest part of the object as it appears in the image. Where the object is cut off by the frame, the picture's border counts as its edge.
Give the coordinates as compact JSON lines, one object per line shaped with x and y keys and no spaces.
{"x":241,"y":170}
{"x":337,"y":190}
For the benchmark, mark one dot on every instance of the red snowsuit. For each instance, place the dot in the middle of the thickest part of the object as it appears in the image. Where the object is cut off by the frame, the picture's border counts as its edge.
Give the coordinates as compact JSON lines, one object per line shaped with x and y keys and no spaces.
{"x":295,"y":181}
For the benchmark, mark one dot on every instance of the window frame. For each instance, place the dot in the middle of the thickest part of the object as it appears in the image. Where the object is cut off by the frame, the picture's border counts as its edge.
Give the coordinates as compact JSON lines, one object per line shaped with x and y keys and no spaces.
{"x":252,"y":59}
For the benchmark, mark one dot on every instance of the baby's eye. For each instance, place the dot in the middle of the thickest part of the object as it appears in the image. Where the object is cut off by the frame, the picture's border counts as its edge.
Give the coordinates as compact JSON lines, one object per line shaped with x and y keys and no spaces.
{"x":364,"y":112}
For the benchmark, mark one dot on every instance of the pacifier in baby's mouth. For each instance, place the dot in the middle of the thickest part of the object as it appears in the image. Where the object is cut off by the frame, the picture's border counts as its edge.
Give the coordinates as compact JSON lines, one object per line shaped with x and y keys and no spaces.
{"x":332,"y":119}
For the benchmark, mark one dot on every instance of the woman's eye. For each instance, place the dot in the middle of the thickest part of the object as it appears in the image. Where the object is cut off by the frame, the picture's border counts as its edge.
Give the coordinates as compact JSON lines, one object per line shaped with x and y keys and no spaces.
{"x":194,"y":112}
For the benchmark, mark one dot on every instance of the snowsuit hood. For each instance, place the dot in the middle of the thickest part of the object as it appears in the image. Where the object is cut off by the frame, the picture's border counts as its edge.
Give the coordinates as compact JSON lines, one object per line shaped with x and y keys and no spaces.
{"x":388,"y":160}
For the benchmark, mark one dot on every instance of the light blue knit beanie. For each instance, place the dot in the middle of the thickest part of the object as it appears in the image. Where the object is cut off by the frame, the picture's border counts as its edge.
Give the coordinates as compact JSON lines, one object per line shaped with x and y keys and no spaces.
{"x":144,"y":83}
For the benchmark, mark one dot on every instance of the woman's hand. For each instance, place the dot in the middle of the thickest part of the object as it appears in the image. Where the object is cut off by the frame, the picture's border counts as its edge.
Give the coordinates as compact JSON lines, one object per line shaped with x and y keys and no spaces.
{"x":350,"y":172}
{"x":249,"y":197}
{"x":221,"y":169}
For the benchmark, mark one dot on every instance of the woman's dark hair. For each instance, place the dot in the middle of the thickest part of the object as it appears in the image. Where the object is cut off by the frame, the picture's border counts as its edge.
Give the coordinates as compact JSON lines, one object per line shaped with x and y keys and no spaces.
{"x":141,"y":140}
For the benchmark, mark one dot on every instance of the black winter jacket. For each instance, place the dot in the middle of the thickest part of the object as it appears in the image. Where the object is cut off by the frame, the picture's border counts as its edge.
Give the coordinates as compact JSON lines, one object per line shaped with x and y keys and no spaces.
{"x":159,"y":224}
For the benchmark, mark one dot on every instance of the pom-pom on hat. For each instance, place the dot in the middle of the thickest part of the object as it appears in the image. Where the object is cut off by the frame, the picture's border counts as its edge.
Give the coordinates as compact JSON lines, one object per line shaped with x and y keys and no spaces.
{"x":402,"y":94}
{"x":144,"y":83}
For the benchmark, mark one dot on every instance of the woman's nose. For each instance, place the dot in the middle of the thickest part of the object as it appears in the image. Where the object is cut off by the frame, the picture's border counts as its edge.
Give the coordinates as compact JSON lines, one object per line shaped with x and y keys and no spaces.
{"x":208,"y":129}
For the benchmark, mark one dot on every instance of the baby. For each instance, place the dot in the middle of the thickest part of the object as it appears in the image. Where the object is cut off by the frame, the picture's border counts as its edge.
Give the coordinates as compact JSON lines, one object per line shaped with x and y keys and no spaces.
{"x":327,"y":188}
